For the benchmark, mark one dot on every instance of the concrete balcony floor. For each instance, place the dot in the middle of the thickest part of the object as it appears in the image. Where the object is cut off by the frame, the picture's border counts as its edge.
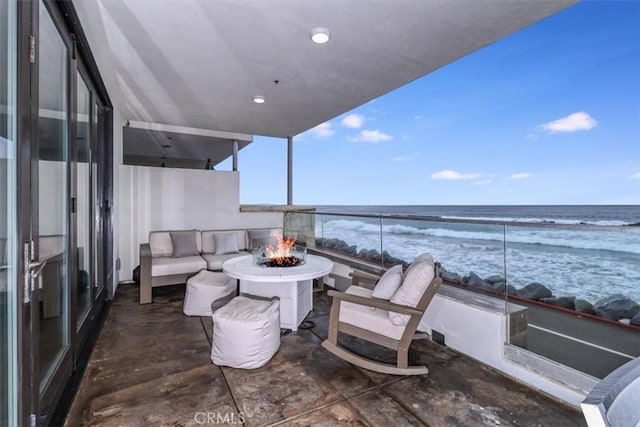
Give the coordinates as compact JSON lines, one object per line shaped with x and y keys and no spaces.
{"x":151,"y":366}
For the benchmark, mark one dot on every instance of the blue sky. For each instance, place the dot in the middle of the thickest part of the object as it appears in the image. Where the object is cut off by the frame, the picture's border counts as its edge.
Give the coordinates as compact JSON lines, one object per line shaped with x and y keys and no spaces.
{"x":549,"y":115}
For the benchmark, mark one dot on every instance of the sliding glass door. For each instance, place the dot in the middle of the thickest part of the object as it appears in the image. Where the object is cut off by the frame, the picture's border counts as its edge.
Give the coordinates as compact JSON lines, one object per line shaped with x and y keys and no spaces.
{"x":8,"y":194}
{"x":84,"y":262}
{"x":54,"y":158}
{"x":50,"y":210}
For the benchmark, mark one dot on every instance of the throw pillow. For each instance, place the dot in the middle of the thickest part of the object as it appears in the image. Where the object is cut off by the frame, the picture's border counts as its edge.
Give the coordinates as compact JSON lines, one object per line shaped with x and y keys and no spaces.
{"x":226,"y":243}
{"x":184,"y":243}
{"x":389,"y":282}
{"x":414,"y":284}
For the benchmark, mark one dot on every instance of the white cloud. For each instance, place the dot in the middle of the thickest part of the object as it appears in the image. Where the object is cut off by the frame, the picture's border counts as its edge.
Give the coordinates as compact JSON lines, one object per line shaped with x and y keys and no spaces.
{"x":636,"y":176}
{"x":353,"y":121}
{"x":571,"y":123}
{"x":323,"y":130}
{"x":482,"y":182}
{"x":453,"y":175}
{"x":373,"y":136}
{"x":522,"y":175}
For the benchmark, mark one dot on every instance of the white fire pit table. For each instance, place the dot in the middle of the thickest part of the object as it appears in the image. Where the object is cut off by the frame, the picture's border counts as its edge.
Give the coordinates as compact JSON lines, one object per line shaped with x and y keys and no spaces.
{"x":293,"y":285}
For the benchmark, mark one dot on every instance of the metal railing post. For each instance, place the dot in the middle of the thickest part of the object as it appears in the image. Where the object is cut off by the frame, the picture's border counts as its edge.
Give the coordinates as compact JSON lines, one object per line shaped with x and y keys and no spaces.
{"x":289,"y":170}
{"x":381,"y":246}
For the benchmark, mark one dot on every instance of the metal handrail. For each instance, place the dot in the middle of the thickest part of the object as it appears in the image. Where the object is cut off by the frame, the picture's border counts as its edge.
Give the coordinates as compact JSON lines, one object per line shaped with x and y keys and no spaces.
{"x":614,"y":228}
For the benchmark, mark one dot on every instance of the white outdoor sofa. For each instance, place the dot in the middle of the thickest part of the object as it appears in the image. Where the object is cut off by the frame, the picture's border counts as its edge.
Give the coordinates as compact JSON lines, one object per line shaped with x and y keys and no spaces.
{"x":171,"y":257}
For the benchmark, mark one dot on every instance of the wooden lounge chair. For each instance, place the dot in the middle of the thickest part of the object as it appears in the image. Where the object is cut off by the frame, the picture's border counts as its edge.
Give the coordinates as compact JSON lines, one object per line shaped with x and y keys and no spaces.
{"x":356,"y":312}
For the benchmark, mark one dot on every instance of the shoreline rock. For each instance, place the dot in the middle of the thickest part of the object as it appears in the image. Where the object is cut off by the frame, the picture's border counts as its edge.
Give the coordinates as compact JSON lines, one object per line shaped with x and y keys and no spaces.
{"x":535,"y":291}
{"x":614,"y":307}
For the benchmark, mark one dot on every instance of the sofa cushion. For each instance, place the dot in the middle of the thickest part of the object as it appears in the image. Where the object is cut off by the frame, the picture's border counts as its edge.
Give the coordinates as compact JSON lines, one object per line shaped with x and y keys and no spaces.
{"x":165,"y":266}
{"x":226,"y":243}
{"x":414,"y":283}
{"x":263,"y":237}
{"x":214,"y":261}
{"x":184,"y":243}
{"x":369,"y":318}
{"x":209,"y":244}
{"x":160,"y":243}
{"x":389,"y":283}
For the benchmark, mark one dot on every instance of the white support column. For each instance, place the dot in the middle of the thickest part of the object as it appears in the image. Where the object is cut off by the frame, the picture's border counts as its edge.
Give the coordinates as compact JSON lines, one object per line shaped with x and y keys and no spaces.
{"x":235,"y":155}
{"x":289,"y":170}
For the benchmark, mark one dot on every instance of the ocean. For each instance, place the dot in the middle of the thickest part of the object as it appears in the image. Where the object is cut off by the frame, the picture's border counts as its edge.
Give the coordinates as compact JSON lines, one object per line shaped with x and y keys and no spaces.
{"x":589,"y":252}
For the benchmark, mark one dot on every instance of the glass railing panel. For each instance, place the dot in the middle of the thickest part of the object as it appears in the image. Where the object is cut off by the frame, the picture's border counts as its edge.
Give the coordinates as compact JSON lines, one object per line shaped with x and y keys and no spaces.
{"x":471,"y":254}
{"x":580,"y":285}
{"x":301,"y":226}
{"x":348,"y":235}
{"x":570,"y":291}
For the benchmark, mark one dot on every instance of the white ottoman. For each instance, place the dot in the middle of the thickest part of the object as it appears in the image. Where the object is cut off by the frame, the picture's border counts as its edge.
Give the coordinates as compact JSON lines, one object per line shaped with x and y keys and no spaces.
{"x":205,"y":289}
{"x":246,"y":332}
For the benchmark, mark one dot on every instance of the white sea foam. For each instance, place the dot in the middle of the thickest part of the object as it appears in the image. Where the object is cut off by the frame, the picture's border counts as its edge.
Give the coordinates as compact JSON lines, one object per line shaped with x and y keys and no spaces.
{"x":587,"y":264}
{"x":577,"y":239}
{"x":604,"y":223}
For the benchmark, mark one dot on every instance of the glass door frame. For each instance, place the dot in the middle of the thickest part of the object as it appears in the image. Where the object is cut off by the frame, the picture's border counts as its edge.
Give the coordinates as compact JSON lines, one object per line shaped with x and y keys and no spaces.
{"x":26,"y":86}
{"x":97,"y":296}
{"x":45,"y":398}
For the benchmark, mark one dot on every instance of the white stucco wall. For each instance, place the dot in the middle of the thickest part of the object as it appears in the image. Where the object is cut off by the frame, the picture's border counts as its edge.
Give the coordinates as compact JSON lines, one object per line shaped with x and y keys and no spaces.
{"x":152,"y":198}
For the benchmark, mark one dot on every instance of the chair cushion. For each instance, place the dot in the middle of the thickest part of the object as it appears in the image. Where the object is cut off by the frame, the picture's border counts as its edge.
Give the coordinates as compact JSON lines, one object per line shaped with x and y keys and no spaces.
{"x":209,"y":244}
{"x":214,"y":261}
{"x":414,"y":283}
{"x":183,"y":243}
{"x":369,"y":318}
{"x":389,"y":282}
{"x":165,"y":266}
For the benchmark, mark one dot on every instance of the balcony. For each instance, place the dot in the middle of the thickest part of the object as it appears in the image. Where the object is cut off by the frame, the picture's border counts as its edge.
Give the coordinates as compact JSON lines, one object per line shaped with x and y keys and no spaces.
{"x":498,"y":356}
{"x":151,"y":366}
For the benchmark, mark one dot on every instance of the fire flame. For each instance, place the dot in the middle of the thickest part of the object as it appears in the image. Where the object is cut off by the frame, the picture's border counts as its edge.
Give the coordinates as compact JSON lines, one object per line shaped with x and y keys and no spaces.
{"x":283,"y":249}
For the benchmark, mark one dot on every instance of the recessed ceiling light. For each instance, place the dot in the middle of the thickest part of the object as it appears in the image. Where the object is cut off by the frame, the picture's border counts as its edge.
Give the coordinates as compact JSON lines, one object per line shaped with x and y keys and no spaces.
{"x":320,"y":35}
{"x":259,"y":99}
{"x":166,"y":146}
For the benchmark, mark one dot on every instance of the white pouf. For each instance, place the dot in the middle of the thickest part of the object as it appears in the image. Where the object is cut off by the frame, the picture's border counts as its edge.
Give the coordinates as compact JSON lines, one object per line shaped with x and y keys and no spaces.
{"x":246,"y":332}
{"x":205,"y":289}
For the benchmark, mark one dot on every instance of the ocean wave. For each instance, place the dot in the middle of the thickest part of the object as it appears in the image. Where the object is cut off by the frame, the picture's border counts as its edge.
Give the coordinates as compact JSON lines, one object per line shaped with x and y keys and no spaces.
{"x":602,"y":223}
{"x":590,"y":240}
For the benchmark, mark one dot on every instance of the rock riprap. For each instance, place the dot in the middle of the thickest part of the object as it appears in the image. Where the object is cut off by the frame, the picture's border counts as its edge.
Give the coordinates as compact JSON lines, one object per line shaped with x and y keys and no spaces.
{"x":616,"y":307}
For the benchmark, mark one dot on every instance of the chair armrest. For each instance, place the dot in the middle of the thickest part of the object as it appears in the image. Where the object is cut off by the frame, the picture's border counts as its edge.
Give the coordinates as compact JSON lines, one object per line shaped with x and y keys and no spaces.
{"x":376,"y":303}
{"x":145,"y":250}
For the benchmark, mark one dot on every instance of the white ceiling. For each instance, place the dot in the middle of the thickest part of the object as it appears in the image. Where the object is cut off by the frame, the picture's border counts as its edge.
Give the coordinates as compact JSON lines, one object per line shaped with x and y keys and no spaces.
{"x":198,"y":63}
